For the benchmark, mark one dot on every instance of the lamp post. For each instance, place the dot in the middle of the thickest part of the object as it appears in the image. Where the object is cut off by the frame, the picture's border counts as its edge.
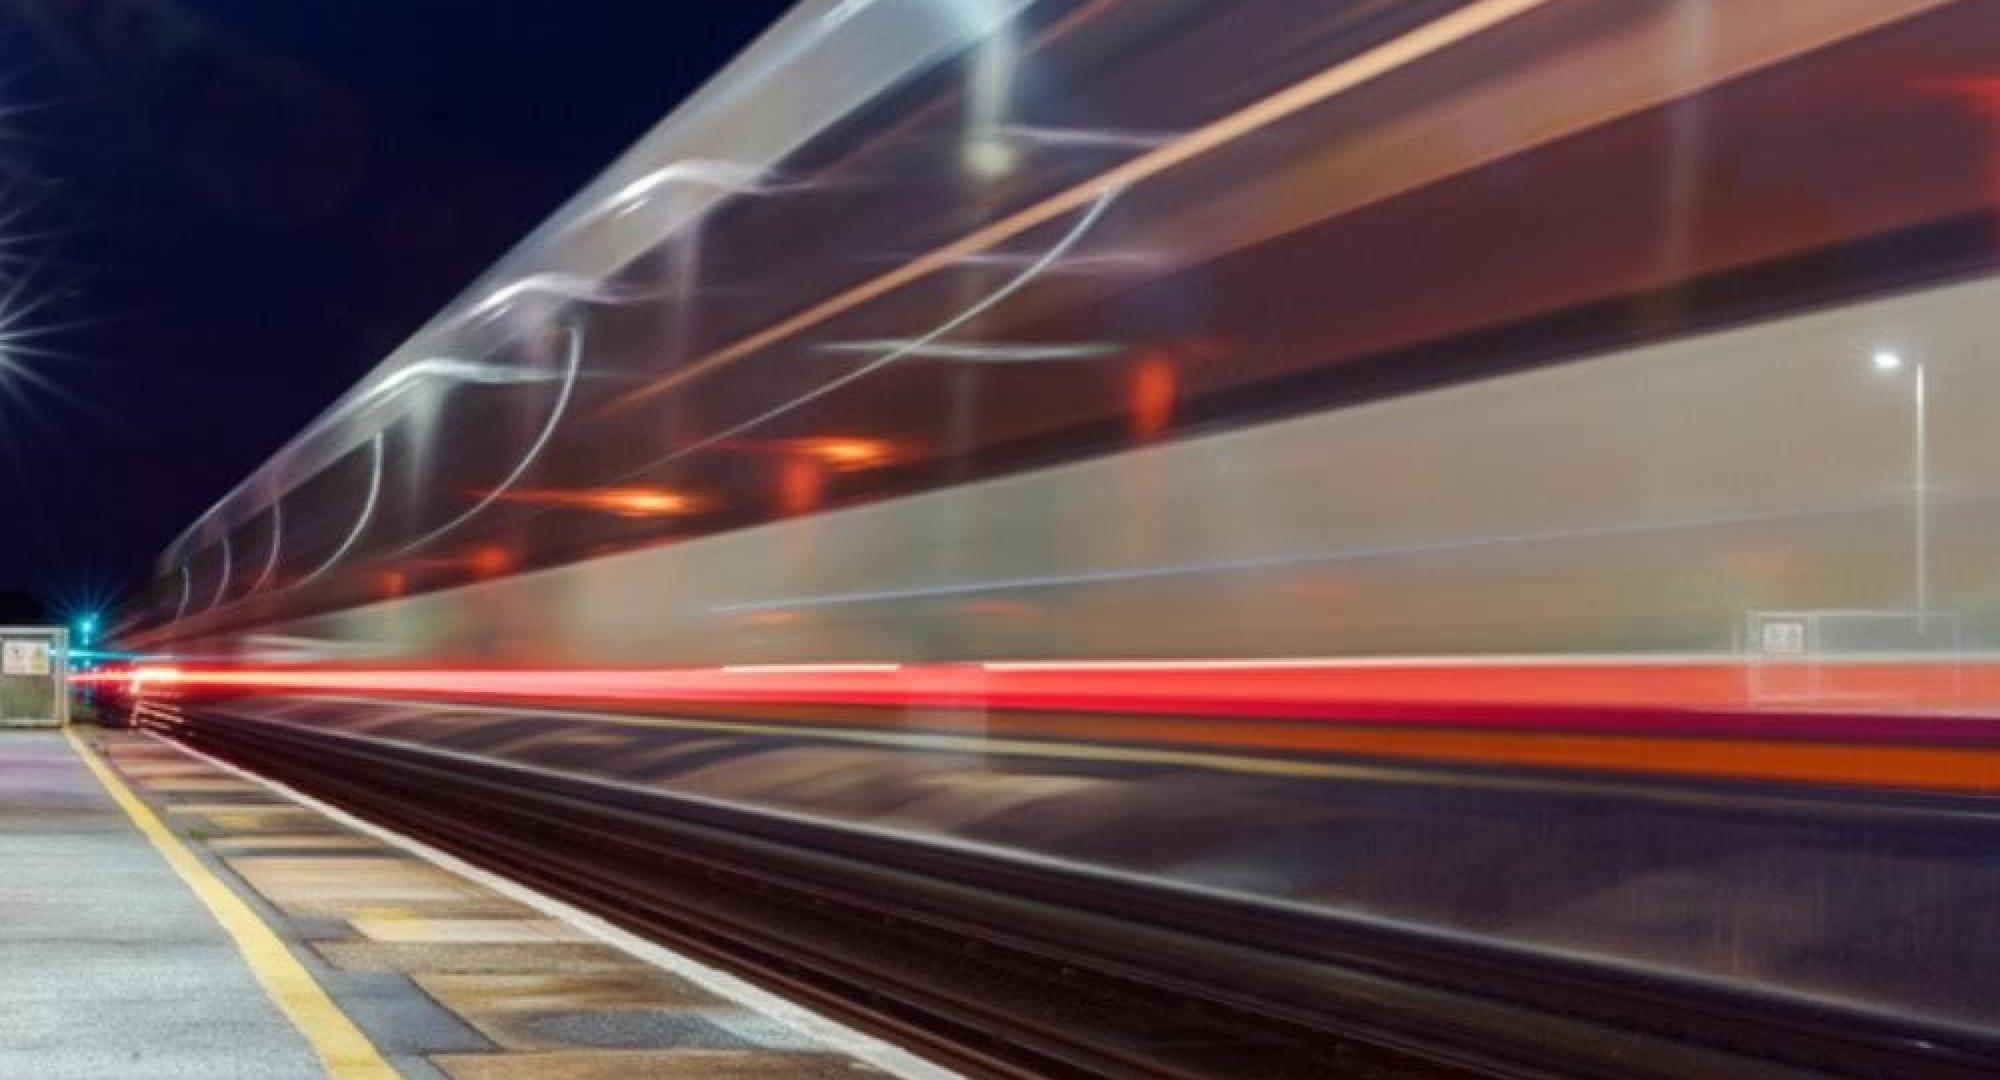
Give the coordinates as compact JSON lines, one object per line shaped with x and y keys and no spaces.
{"x":1887,"y":360}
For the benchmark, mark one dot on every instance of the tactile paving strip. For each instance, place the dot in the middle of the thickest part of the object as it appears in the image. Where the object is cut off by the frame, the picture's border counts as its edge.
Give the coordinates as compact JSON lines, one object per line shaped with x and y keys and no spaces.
{"x":449,"y":978}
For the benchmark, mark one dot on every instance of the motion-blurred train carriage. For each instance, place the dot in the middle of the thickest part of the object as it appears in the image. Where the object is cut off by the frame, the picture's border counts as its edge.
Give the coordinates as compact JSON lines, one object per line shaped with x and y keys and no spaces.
{"x":1507,"y":476}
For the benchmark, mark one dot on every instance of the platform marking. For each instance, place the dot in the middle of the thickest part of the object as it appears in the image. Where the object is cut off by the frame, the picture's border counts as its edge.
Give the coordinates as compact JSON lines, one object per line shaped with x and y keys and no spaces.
{"x":859,"y":1045}
{"x":342,"y":1049}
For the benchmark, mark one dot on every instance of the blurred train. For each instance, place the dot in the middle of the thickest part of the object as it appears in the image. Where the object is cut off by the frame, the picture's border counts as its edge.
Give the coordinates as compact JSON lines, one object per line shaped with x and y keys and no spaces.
{"x":1410,"y":460}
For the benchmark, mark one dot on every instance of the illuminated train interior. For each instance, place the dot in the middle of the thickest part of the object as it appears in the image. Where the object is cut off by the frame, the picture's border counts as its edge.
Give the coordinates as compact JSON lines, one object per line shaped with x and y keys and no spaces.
{"x":1506,"y":482}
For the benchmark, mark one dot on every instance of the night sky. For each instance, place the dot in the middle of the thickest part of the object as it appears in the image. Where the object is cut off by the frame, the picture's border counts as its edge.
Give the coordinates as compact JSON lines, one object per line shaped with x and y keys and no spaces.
{"x":226,"y":211}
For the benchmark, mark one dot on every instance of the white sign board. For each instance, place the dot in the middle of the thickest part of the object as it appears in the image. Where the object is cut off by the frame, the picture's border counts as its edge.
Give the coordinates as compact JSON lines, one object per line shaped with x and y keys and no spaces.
{"x":24,"y":658}
{"x":1784,"y":637}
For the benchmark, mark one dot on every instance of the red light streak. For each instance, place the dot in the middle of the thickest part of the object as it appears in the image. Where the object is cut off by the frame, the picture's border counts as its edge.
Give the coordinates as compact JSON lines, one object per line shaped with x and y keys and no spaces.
{"x":1695,"y":718}
{"x":1708,"y":695}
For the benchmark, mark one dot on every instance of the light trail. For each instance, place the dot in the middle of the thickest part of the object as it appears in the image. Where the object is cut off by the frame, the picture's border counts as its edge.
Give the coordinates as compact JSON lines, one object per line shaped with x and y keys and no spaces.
{"x":1701,"y":691}
{"x":367,"y":511}
{"x":277,"y":538}
{"x":187,"y":593}
{"x":222,"y":580}
{"x":1359,"y":552}
{"x":1879,"y":727}
{"x":1093,"y":213}
{"x":982,"y":352}
{"x":1432,"y":37}
{"x":572,"y":363}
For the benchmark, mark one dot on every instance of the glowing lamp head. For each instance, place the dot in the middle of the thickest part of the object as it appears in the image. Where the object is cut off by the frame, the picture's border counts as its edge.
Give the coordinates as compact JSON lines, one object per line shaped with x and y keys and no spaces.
{"x":1885,"y":360}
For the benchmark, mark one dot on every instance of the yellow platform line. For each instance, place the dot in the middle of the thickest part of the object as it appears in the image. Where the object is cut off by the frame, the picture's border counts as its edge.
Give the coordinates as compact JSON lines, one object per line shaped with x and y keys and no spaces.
{"x":343,"y":1050}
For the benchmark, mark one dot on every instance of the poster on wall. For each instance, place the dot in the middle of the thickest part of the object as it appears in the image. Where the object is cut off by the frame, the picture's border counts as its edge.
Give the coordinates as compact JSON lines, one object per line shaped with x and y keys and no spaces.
{"x":24,"y":658}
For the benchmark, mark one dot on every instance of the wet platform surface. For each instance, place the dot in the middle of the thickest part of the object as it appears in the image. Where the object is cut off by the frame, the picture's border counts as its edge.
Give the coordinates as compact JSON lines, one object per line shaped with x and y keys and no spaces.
{"x":110,"y":966}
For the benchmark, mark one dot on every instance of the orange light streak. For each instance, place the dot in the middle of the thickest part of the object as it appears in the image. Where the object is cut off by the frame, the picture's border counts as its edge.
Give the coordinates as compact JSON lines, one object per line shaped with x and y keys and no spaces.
{"x":632,"y":502}
{"x":490,"y":561}
{"x":1154,"y":387}
{"x":845,"y":452}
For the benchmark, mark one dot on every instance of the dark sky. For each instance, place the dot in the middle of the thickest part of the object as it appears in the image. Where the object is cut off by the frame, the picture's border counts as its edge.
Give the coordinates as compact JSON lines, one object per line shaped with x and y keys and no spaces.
{"x":233,"y":208}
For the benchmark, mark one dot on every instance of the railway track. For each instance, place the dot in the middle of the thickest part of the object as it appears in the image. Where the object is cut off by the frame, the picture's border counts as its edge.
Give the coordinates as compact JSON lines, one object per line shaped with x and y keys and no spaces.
{"x":1012,"y":969}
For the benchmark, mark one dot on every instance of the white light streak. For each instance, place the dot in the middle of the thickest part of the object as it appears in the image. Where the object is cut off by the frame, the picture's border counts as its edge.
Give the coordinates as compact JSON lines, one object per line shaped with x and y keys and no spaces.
{"x":435,"y":369}
{"x":1085,"y":137}
{"x":727,"y":175}
{"x":187,"y":593}
{"x":1095,"y":212}
{"x":222,"y":582}
{"x":573,"y":362}
{"x":277,"y":538}
{"x":979,"y":352}
{"x":367,"y":510}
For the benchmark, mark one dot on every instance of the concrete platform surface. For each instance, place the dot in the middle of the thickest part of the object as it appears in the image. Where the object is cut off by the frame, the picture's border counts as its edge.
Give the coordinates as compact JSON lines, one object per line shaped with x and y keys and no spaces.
{"x":111,"y":966}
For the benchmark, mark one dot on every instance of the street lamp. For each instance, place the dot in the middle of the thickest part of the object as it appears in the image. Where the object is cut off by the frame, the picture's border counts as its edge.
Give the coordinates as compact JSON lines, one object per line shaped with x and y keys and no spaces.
{"x":1888,"y":360}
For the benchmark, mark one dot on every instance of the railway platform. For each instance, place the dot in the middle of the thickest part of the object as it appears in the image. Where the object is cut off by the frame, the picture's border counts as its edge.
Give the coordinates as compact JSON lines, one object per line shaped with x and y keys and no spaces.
{"x":170,"y":917}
